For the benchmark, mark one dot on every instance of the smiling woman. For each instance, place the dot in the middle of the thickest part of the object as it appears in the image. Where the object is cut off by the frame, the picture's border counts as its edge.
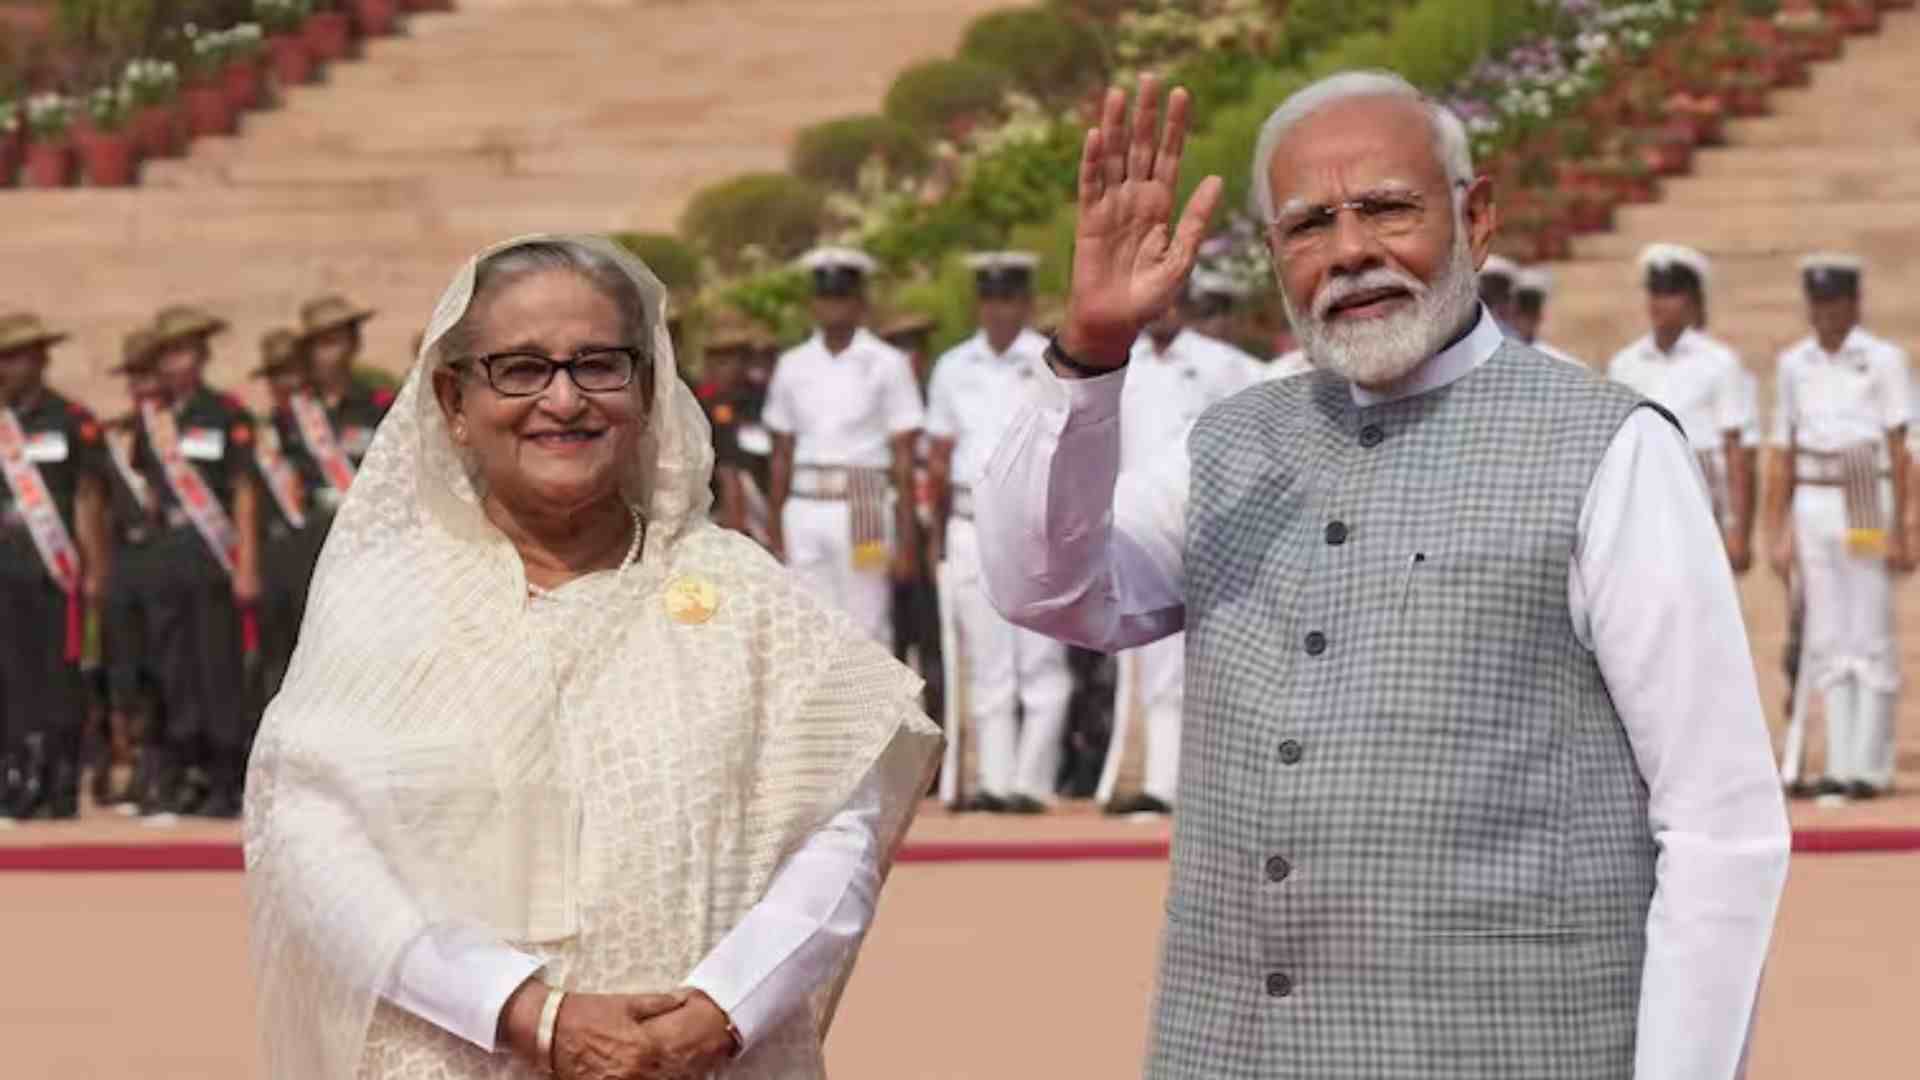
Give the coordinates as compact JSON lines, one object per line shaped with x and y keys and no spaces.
{"x":563,"y":777}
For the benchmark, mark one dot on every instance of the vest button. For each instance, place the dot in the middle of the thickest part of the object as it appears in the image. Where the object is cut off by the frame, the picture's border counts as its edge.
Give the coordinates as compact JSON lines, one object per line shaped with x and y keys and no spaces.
{"x":1371,"y":436}
{"x":1278,"y":985}
{"x":1316,"y":643}
{"x":1336,"y":533}
{"x":1277,"y":869}
{"x":1291,"y":752}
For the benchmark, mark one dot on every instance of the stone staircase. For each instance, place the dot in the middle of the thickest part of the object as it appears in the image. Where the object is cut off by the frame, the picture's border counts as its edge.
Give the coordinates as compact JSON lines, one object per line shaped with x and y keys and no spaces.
{"x":1835,"y":166}
{"x":505,"y":117}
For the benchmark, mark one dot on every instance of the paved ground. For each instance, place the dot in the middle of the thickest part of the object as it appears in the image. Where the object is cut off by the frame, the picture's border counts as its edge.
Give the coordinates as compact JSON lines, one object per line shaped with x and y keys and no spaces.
{"x":973,"y":972}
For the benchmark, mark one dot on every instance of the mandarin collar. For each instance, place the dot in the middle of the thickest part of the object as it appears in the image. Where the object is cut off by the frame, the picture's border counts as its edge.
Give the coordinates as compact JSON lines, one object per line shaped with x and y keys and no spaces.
{"x":1445,"y":367}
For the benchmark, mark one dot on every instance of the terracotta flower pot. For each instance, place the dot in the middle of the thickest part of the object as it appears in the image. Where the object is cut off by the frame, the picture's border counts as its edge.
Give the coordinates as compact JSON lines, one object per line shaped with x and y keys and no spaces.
{"x":48,"y":165}
{"x":241,"y":79}
{"x":292,"y":63}
{"x":209,"y":111}
{"x":374,"y":18}
{"x":1896,"y":5}
{"x":1746,"y":101}
{"x":1668,"y":157}
{"x":1589,"y":214}
{"x":156,"y":131}
{"x":328,"y":34}
{"x":109,"y":158}
{"x":1860,"y":17}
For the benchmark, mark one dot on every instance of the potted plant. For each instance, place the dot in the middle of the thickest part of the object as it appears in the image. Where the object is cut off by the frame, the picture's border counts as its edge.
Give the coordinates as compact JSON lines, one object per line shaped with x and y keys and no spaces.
{"x":241,"y":74}
{"x":154,"y":86}
{"x":1745,"y":94}
{"x":1759,"y":26}
{"x":287,"y":48}
{"x":328,"y":32}
{"x":209,"y":108}
{"x":108,"y":154}
{"x":10,"y":134}
{"x":49,"y":159}
{"x":374,"y":18}
{"x":1853,"y":16}
{"x":1810,"y":35}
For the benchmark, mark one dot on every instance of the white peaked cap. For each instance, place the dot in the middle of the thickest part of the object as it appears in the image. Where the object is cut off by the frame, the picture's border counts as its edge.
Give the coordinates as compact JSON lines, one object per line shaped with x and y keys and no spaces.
{"x":1832,"y":260}
{"x":1214,"y":283}
{"x":1499,"y":266}
{"x":1662,"y":256}
{"x":838,"y":258}
{"x":1534,"y":279}
{"x":986,"y":261}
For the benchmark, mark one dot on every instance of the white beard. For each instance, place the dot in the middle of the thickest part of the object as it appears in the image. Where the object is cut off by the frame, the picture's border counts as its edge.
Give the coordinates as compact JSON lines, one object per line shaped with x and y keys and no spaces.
{"x":1376,"y":352}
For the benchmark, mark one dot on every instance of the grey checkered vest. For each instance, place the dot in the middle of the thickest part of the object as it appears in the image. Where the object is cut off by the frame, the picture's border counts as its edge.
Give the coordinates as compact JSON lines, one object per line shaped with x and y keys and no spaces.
{"x":1412,"y":841}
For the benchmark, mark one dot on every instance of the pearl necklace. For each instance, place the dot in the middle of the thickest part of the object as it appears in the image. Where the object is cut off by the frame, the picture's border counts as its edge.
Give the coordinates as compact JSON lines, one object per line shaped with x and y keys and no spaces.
{"x":535,"y":592}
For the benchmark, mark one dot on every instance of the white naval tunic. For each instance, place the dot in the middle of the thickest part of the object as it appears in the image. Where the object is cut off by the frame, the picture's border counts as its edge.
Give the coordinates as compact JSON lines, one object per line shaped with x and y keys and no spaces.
{"x":1166,"y":392}
{"x":1699,"y":382}
{"x":1827,"y":403}
{"x":841,"y":411}
{"x":973,"y":394}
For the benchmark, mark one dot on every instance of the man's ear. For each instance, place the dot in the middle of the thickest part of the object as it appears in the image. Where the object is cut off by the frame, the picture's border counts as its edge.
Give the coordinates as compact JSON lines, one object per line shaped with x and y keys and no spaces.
{"x":1483,"y":217}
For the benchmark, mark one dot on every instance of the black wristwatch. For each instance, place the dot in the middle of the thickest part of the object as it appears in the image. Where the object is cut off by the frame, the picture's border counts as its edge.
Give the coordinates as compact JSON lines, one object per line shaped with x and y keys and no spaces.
{"x":1065,"y":364}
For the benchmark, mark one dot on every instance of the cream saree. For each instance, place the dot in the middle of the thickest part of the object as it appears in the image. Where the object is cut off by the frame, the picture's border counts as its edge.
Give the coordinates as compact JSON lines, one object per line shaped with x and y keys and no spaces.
{"x":601,"y":779}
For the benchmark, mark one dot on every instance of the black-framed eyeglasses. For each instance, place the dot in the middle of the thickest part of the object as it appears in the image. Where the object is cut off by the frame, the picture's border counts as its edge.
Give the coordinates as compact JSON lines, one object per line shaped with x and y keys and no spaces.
{"x":593,"y":371}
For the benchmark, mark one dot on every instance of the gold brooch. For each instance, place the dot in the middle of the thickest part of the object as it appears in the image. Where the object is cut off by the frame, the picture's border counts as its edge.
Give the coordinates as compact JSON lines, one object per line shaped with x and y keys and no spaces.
{"x":690,"y":600}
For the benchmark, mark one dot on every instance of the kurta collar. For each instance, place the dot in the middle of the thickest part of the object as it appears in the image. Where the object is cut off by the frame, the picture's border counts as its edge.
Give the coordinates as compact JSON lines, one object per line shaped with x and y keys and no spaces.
{"x":1444,"y":367}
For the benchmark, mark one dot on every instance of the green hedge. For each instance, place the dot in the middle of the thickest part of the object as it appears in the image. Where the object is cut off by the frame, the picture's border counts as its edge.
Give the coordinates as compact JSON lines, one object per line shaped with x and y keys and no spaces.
{"x":834,"y":152}
{"x":940,"y":96}
{"x":675,"y":263}
{"x":775,"y":213}
{"x":1051,"y":56}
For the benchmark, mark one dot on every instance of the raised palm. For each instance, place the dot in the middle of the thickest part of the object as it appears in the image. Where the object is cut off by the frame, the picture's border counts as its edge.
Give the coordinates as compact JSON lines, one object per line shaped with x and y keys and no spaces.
{"x":1128,"y":265}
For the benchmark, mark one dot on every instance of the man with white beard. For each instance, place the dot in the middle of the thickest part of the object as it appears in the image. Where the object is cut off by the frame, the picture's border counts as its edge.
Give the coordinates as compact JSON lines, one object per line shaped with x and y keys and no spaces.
{"x":1476,"y":780}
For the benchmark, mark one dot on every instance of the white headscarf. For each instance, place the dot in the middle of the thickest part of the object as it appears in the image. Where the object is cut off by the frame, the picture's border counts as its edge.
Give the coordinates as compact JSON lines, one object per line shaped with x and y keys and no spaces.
{"x":611,"y":787}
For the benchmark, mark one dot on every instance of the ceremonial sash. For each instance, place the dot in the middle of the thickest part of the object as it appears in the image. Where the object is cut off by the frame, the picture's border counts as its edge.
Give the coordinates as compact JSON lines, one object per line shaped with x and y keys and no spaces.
{"x":1866,"y":513}
{"x":283,"y":481}
{"x":196,"y":498}
{"x":42,"y":515}
{"x":317,"y":432}
{"x":120,"y":450}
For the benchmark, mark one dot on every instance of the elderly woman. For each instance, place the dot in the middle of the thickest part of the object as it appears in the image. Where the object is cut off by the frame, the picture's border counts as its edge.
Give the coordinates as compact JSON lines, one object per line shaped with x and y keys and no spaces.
{"x":563,"y":777}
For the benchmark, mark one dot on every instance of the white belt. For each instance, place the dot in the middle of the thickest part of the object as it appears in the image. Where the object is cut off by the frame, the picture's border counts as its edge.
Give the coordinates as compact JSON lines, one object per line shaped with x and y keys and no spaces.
{"x":1825,"y":469}
{"x":960,"y":502}
{"x":825,"y":481}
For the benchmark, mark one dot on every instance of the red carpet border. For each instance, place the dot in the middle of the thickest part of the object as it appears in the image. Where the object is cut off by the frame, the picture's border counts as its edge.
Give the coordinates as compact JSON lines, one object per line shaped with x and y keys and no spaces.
{"x":225,"y":857}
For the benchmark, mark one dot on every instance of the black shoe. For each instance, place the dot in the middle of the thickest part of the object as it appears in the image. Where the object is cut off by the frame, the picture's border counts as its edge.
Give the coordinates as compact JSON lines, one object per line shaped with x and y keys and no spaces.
{"x":1860,"y":789}
{"x":981,"y":803}
{"x":1137,"y":804}
{"x":28,"y":787}
{"x":1024,"y":804}
{"x":190,"y":794}
{"x":1827,"y":785}
{"x":156,"y":780}
{"x":1800,"y":789}
{"x":223,"y":804}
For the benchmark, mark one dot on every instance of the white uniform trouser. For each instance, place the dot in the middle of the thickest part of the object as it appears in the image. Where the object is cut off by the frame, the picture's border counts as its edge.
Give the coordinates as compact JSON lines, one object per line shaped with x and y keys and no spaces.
{"x":1848,"y":638}
{"x":1159,"y":674}
{"x":819,"y":540}
{"x":1005,"y":665}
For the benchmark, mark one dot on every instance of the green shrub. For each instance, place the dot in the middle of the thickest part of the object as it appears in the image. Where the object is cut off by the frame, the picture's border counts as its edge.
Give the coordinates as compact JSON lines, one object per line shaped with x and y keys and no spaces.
{"x":776,"y":213}
{"x":834,"y":152}
{"x":774,"y":298}
{"x":947,"y":96}
{"x":1051,"y":56}
{"x":671,"y":260}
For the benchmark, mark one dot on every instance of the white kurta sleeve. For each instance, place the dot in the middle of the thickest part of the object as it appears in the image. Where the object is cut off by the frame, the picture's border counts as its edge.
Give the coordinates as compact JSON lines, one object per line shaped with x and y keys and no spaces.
{"x":1069,"y":546}
{"x":459,"y":985}
{"x":816,"y":910}
{"x":1653,"y":596}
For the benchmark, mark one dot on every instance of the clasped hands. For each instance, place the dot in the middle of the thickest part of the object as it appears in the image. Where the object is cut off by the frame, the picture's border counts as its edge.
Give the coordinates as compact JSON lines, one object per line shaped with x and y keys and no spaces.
{"x":681,"y":1035}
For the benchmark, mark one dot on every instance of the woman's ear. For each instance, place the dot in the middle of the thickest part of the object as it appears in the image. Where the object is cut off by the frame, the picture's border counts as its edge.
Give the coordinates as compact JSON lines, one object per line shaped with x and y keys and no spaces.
{"x":447,"y":391}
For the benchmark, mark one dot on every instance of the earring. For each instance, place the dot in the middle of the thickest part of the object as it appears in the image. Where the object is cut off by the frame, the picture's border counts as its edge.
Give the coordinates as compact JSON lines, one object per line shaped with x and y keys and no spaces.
{"x":460,"y":431}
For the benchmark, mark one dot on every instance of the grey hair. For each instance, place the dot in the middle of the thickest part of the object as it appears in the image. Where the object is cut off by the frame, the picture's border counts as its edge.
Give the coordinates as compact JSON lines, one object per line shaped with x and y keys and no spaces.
{"x":1450,"y":142}
{"x":504,"y":267}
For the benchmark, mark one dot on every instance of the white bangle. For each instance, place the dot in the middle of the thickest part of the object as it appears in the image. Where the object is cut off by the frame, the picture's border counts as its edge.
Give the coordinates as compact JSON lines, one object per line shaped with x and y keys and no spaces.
{"x":549,"y":1019}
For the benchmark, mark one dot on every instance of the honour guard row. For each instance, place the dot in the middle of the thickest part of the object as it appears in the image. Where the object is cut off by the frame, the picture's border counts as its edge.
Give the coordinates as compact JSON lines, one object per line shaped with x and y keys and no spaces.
{"x":186,"y":533}
{"x":155,"y":565}
{"x":820,"y":449}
